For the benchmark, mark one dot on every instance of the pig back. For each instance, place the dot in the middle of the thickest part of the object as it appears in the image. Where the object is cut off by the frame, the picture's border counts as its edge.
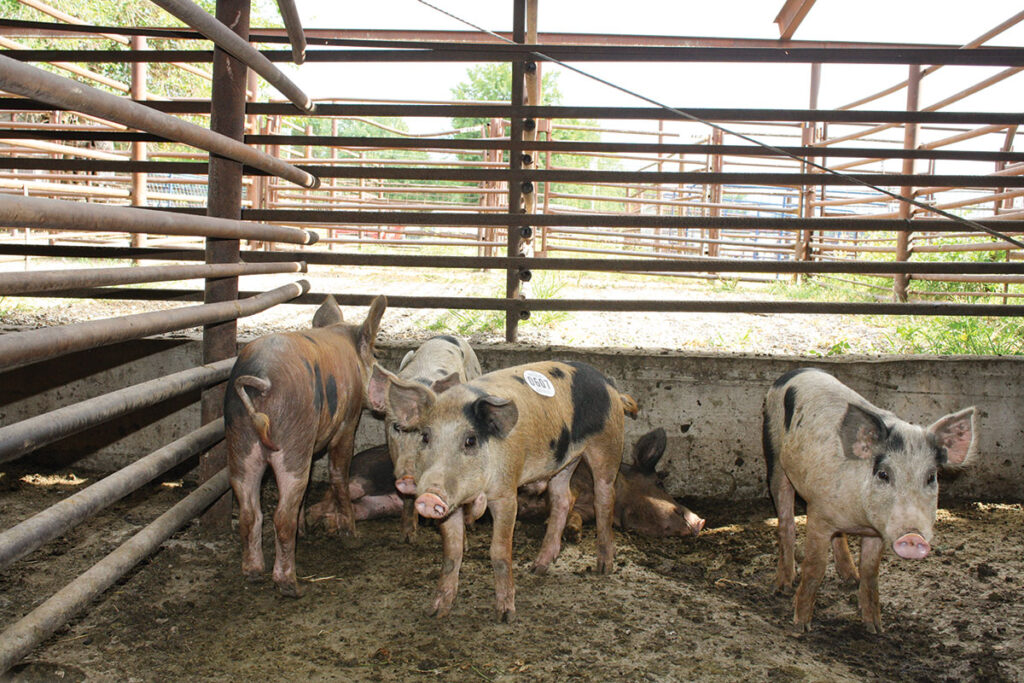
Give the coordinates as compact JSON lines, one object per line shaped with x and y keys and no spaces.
{"x":804,"y":413}
{"x":562,"y":406}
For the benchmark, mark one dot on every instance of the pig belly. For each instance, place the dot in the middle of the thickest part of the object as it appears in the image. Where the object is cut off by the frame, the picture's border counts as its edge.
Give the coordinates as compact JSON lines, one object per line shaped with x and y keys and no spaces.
{"x":374,"y":507}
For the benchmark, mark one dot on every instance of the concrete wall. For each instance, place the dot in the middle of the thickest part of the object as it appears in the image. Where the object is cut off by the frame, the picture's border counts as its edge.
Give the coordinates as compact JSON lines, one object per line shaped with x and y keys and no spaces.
{"x":709,"y":404}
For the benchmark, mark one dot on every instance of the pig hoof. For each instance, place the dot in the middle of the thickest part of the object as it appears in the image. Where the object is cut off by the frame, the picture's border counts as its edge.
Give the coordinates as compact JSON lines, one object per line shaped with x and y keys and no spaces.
{"x":873,"y":628}
{"x":605,"y":566}
{"x":539,"y":569}
{"x":290,"y":590}
{"x":506,"y":615}
{"x":253,"y":575}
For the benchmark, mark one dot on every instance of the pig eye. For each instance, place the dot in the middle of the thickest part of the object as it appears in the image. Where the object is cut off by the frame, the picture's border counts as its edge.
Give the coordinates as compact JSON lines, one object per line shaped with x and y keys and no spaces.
{"x":931,"y":480}
{"x":425,"y":438}
{"x":470,"y":441}
{"x":883,"y":476}
{"x":394,"y":427}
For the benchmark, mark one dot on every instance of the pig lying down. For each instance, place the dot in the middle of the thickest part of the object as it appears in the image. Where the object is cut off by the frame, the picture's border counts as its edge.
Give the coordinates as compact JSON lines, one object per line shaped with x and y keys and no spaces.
{"x":641,"y":505}
{"x":863,"y":471}
{"x":440,"y":362}
{"x":291,"y":395}
{"x":480,"y":441}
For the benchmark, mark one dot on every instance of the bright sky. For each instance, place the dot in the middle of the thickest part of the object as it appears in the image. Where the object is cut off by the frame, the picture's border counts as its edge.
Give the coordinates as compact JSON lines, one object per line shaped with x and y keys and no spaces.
{"x":684,"y":85}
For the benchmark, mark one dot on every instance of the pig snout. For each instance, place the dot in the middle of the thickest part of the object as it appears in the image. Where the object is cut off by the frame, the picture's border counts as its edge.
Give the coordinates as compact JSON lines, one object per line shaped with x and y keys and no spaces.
{"x":432,"y":506}
{"x":406,"y":485}
{"x":696,"y":525}
{"x":911,"y":546}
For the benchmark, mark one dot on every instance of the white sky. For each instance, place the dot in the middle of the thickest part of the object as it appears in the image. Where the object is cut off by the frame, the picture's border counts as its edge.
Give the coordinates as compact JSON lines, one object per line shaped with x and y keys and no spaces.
{"x":683,"y":85}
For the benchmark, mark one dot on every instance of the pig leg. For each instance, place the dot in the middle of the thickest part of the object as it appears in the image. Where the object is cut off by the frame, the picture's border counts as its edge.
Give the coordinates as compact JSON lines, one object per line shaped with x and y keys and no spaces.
{"x":870,"y":557}
{"x":560,"y":501}
{"x":503,"y":512}
{"x":784,"y":496}
{"x":574,"y":526}
{"x":246,"y":474}
{"x":453,"y":536}
{"x":845,"y":566}
{"x":812,"y":570}
{"x":410,"y":520}
{"x":291,"y":487}
{"x":336,"y":507}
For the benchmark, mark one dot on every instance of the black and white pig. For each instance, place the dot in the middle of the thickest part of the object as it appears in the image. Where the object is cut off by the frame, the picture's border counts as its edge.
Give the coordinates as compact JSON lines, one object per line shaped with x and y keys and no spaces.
{"x":439,"y":363}
{"x":861,"y":470}
{"x":480,"y":441}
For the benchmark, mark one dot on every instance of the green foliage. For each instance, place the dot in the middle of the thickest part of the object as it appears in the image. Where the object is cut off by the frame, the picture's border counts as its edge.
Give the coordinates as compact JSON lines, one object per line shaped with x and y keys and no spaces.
{"x":961,"y":335}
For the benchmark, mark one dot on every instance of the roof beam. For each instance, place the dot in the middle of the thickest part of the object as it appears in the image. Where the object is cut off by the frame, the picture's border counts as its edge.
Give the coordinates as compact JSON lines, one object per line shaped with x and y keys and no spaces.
{"x":791,"y":15}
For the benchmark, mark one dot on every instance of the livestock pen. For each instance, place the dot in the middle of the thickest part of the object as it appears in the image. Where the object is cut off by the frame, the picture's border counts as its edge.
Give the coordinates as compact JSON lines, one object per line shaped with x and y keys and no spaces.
{"x":113,"y":580}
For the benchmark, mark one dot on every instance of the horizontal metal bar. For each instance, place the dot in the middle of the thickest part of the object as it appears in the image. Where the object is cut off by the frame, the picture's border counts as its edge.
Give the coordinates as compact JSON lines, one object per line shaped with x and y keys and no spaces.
{"x":671,"y":177}
{"x":332,"y":216}
{"x":571,"y":112}
{"x":29,"y":81}
{"x":19,"y":348}
{"x":20,"y":540}
{"x":558,"y":146}
{"x":420,"y":39}
{"x":23,"y":636}
{"x":32,"y":212}
{"x":28,"y":435}
{"x":56,"y":280}
{"x":641,"y":265}
{"x":232,"y":43}
{"x":614,"y":305}
{"x":504,"y":52}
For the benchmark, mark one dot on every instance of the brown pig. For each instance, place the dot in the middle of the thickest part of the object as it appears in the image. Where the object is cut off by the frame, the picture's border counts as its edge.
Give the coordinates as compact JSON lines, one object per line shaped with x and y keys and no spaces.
{"x":863,"y":471}
{"x":641,"y":504}
{"x":482,"y":440}
{"x":440,"y":362}
{"x":291,"y":395}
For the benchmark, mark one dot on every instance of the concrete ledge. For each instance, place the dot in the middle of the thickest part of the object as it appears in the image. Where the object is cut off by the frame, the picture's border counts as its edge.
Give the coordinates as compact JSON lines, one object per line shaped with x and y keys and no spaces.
{"x":709,"y":404}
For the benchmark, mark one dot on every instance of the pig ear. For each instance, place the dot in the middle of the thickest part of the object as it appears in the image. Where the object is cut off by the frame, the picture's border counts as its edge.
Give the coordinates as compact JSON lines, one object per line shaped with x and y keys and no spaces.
{"x":446,"y":383}
{"x":408,"y":402}
{"x":862,"y":433}
{"x":368,"y":332}
{"x":498,"y":415}
{"x":957,"y":434}
{"x":377,"y":388}
{"x":405,"y":360}
{"x":648,"y":449}
{"x":328,"y":314}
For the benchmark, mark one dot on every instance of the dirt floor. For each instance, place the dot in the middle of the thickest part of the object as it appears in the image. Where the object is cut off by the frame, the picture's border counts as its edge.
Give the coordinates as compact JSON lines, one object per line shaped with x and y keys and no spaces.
{"x":673,"y":610}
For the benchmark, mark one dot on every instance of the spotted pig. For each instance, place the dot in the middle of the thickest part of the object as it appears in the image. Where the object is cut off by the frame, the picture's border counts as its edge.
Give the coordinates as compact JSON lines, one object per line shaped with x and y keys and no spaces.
{"x":291,"y":395}
{"x":481,"y":440}
{"x":863,"y":471}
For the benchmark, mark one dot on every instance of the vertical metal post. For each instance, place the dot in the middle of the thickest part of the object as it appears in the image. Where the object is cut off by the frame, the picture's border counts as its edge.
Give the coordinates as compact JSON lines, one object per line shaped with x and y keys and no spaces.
{"x":900,"y":281}
{"x":138,"y":93}
{"x":227,"y":116}
{"x":715,"y":194}
{"x":515,"y":163}
{"x":532,"y":94}
{"x":803,"y":247}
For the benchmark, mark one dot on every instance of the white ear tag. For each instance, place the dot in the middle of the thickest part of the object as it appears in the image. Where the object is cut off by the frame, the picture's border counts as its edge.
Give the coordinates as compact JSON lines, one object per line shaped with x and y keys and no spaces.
{"x":539,"y":383}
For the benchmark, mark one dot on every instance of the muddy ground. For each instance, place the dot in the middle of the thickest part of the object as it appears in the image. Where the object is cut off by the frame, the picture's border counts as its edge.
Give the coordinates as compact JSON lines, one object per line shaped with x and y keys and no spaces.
{"x":673,"y":610}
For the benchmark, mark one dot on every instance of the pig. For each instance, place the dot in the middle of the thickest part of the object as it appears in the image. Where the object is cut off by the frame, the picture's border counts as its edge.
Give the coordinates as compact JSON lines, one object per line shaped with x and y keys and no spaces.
{"x":440,"y":362}
{"x":371,"y":484}
{"x":641,"y":504}
{"x":861,"y":470}
{"x":291,"y":395}
{"x":481,"y":440}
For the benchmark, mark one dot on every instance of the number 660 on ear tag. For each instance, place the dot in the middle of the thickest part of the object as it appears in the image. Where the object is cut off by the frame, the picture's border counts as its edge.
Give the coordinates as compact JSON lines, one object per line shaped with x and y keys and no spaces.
{"x":539,"y":383}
